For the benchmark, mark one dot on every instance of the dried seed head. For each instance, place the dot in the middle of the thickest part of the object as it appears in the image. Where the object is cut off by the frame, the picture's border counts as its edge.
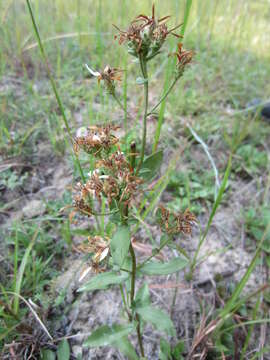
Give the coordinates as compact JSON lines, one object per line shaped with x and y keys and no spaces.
{"x":173,"y":224}
{"x":108,"y":75}
{"x":96,"y":140}
{"x":146,"y":35}
{"x":184,"y":57}
{"x":100,"y":247}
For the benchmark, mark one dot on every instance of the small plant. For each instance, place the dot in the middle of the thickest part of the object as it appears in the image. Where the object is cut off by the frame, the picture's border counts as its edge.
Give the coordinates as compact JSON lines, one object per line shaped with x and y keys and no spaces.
{"x":115,"y":188}
{"x":121,"y":190}
{"x":11,"y":180}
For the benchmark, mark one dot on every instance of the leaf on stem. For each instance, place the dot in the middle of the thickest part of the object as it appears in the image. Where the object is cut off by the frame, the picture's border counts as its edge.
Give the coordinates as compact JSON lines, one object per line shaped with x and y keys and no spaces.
{"x":106,"y":335}
{"x":119,"y":245}
{"x":158,"y":318}
{"x":151,"y":165}
{"x":102,"y":281}
{"x":157,"y":268}
{"x":141,"y":80}
{"x":63,"y":351}
{"x":142,"y":298}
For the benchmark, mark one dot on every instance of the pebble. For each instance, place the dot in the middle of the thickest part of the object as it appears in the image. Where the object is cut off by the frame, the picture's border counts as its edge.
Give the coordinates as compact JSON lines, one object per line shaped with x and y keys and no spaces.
{"x":34,"y":208}
{"x":77,"y":350}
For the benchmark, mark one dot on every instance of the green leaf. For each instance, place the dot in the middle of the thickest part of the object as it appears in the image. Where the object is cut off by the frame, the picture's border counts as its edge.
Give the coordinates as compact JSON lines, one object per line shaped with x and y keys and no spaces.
{"x":102,"y":281}
{"x":178,"y":350}
{"x":63,"y":351}
{"x":119,"y":245}
{"x":125,"y":346}
{"x":47,"y":354}
{"x":151,"y":165}
{"x":165,"y":350}
{"x":141,"y":80}
{"x":106,"y":335}
{"x":142,"y":298}
{"x":157,"y":268}
{"x":158,"y":318}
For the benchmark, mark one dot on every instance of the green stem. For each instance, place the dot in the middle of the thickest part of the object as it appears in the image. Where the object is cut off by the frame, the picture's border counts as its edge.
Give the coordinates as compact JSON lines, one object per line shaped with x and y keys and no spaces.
{"x":156,"y":253}
{"x":124,"y":214}
{"x":53,"y":84}
{"x":250,"y":330}
{"x":116,"y":98}
{"x":164,"y":96}
{"x":124,"y":302}
{"x":143,"y":66}
{"x":48,"y":70}
{"x":132,"y":295}
{"x":133,"y":276}
{"x":174,"y":295}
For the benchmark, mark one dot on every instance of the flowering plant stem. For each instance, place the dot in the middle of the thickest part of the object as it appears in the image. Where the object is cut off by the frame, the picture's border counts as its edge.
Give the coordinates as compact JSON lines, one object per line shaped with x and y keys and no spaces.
{"x":164,"y":96}
{"x":132,"y":285}
{"x":143,"y":65}
{"x":126,"y":113}
{"x":132,"y":295}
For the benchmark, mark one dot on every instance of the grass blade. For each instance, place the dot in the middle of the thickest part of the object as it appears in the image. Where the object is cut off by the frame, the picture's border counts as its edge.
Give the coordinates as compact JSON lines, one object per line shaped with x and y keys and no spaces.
{"x":213,"y":212}
{"x":186,"y":16}
{"x":21,"y":272}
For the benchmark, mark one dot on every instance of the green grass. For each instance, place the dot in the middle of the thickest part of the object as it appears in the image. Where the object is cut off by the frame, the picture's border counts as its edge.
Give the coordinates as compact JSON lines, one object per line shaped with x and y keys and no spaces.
{"x":230,"y":68}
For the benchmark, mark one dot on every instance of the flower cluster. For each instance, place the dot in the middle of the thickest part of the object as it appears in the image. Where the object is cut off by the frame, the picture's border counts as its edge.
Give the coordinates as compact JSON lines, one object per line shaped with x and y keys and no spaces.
{"x":173,"y":224}
{"x":97,"y":245}
{"x":96,"y":140}
{"x":184,"y":57}
{"x":146,"y":35}
{"x":113,"y":177}
{"x":108,"y":75}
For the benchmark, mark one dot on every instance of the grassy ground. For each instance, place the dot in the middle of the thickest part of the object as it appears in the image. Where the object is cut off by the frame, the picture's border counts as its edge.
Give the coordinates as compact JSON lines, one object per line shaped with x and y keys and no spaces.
{"x":231,"y":68}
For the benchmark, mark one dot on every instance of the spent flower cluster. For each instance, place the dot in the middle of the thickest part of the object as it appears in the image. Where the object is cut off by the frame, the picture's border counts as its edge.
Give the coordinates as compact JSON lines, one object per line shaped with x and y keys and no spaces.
{"x":146,"y":35}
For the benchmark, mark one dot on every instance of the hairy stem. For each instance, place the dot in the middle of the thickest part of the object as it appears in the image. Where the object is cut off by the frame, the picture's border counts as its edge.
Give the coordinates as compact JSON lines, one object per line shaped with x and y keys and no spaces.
{"x":143,"y":66}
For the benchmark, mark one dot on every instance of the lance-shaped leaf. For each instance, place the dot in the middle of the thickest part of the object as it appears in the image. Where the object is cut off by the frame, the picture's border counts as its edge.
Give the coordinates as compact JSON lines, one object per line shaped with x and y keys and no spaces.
{"x":143,"y":296}
{"x":102,"y":281}
{"x":151,"y":165}
{"x":124,"y":345}
{"x":47,"y":354}
{"x":158,"y":318}
{"x":106,"y":335}
{"x":158,"y":268}
{"x":63,"y":351}
{"x":119,"y":245}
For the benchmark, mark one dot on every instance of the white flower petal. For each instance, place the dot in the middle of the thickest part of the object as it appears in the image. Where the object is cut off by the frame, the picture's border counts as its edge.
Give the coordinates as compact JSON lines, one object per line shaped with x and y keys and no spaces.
{"x":96,"y":138}
{"x":84,"y":273}
{"x":92,"y":72}
{"x":104,"y":254}
{"x":82,"y":131}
